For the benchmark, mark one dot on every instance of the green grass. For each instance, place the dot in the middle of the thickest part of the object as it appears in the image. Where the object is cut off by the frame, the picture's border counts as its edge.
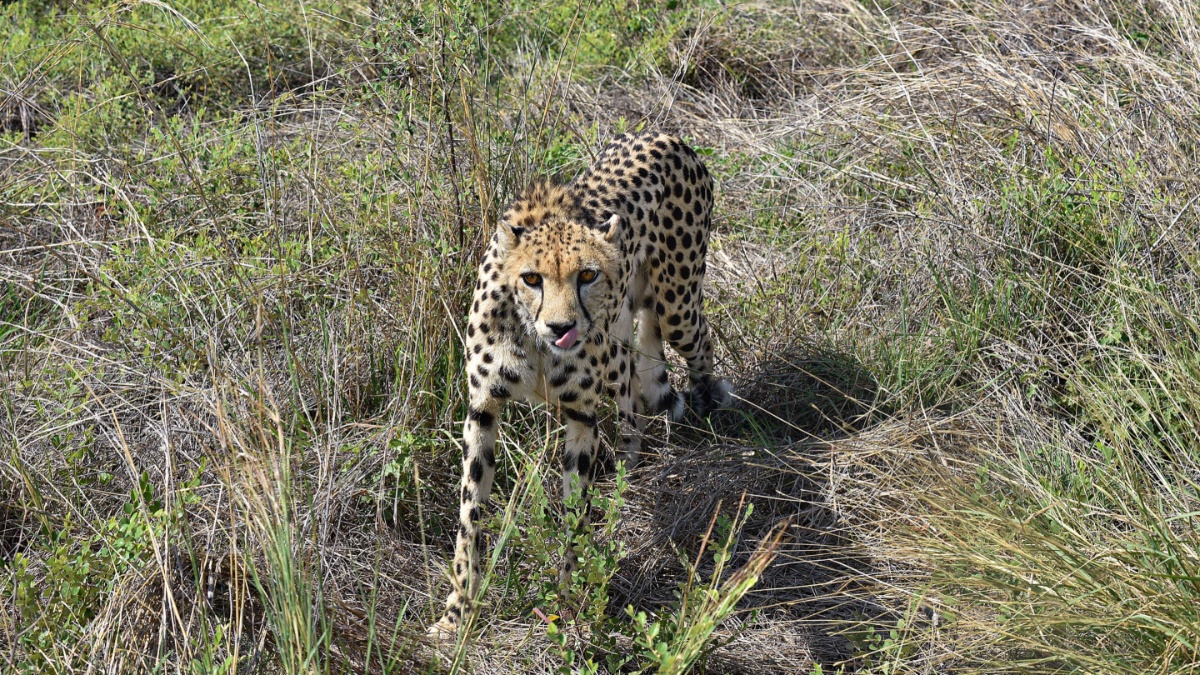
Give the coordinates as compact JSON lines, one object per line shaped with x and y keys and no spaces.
{"x":953,"y":277}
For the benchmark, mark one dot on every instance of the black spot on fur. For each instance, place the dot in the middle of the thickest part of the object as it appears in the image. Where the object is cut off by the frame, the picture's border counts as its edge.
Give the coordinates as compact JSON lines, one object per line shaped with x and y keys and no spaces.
{"x":583,"y":418}
{"x":481,"y":417}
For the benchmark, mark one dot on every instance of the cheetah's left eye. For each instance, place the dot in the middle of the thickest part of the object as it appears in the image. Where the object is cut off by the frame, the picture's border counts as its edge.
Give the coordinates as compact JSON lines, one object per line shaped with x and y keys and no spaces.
{"x":588,"y":276}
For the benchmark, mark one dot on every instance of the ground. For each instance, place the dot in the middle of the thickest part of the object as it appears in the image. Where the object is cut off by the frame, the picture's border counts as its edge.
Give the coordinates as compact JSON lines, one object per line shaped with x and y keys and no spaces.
{"x":953,"y":277}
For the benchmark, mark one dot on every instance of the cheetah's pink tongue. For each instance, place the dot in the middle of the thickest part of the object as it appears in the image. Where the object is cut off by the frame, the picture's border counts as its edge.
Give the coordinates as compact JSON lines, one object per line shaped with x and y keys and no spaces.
{"x":569,"y":339}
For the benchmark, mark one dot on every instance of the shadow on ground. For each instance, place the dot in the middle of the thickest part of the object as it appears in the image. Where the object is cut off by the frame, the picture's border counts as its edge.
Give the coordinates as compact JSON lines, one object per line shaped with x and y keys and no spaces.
{"x":774,"y":450}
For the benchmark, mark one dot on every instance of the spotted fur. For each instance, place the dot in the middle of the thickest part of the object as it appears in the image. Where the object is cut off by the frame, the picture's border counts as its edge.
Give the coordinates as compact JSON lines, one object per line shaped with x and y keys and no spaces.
{"x":553,"y":318}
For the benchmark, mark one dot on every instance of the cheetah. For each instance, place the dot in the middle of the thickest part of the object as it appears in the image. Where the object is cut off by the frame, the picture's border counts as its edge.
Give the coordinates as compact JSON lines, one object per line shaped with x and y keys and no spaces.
{"x":553,"y":318}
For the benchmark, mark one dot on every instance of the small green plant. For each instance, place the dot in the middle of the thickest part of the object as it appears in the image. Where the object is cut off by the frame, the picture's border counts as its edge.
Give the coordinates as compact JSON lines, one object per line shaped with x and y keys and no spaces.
{"x":580,"y":629}
{"x":885,"y":654}
{"x":56,"y":602}
{"x":672,"y":643}
{"x":590,"y":640}
{"x":210,"y":662}
{"x":397,"y":496}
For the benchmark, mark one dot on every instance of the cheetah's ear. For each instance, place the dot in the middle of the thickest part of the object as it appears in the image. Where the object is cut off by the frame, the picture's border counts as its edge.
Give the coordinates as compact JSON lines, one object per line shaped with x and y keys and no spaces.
{"x":510,"y":234}
{"x":611,"y":227}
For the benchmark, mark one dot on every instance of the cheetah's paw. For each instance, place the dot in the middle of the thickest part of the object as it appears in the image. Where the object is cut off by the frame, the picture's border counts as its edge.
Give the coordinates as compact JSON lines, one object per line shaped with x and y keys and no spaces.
{"x":444,"y":630}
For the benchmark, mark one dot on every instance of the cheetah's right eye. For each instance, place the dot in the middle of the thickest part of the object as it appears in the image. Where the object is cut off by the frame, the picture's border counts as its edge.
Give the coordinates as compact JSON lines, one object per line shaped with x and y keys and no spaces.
{"x":531,"y":278}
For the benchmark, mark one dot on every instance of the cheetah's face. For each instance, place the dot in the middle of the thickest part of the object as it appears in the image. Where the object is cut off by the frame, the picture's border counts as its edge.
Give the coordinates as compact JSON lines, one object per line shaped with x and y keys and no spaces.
{"x":564,"y":276}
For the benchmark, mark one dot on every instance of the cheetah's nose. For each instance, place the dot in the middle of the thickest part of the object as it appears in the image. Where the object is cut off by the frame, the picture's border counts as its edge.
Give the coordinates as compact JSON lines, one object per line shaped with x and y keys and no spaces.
{"x":560,"y":329}
{"x":566,"y":333}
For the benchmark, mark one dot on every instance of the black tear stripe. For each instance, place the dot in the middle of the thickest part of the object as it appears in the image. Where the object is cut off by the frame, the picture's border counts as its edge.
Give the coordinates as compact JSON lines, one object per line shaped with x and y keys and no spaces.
{"x":582,"y":307}
{"x":584,"y":418}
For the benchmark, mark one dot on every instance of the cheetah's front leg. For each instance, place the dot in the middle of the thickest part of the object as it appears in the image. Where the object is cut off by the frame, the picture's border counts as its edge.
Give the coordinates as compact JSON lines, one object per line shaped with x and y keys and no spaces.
{"x":579,"y":453}
{"x":576,"y":386}
{"x":479,"y":468}
{"x":624,"y":383}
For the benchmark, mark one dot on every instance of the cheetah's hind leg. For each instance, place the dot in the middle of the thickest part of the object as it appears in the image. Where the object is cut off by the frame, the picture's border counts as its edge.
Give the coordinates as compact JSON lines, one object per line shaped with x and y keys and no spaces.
{"x":657,"y":391}
{"x":710,"y":394}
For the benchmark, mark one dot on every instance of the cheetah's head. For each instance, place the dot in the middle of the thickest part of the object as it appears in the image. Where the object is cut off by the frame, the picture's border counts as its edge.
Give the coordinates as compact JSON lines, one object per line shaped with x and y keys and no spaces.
{"x":564,"y":273}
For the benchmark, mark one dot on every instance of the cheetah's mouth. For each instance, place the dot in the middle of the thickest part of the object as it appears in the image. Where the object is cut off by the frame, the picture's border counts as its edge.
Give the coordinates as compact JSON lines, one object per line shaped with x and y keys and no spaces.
{"x":568,"y":339}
